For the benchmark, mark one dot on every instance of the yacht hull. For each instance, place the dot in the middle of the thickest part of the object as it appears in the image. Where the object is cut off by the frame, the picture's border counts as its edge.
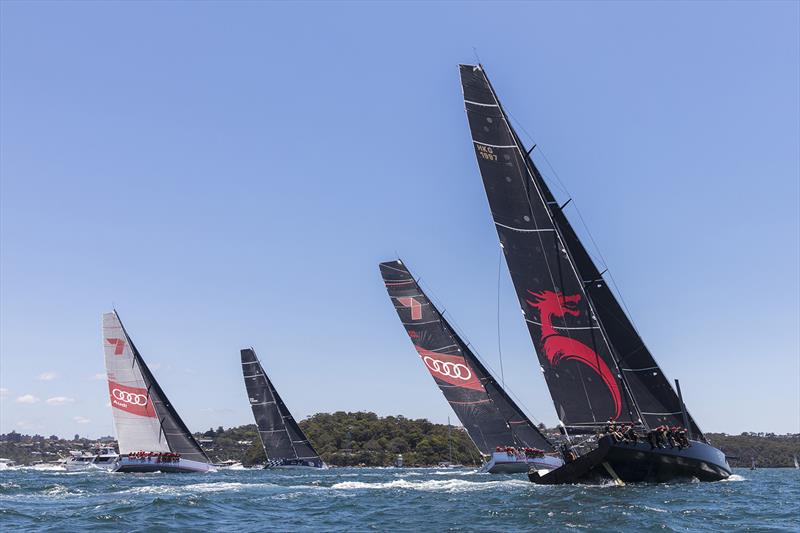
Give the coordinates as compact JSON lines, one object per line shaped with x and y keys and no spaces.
{"x":632,"y":463}
{"x":128,"y":465}
{"x":294,"y":463}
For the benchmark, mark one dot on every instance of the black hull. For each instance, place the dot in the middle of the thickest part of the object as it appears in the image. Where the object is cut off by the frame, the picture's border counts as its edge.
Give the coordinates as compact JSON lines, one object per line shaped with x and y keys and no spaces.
{"x":633,"y":463}
{"x":298,"y":463}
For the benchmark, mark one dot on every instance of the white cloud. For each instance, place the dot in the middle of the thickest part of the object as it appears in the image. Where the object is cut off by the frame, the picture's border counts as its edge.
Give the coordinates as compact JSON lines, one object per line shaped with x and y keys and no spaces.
{"x":99,"y":376}
{"x":3,"y":392}
{"x":59,"y":400}
{"x":81,"y":419}
{"x":27,"y":398}
{"x":47,"y":376}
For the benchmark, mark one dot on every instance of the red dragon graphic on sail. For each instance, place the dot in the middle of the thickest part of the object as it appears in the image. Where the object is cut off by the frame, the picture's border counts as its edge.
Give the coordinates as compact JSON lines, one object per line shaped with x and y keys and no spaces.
{"x":559,"y":348}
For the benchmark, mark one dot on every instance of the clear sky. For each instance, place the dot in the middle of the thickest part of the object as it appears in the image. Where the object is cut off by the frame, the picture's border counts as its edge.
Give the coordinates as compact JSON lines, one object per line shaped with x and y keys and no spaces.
{"x":230,"y":174}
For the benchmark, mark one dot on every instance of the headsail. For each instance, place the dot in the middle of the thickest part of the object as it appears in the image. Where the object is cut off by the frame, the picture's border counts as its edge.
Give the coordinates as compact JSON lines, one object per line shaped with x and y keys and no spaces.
{"x":594,"y":362}
{"x":280,"y":435}
{"x":489,"y":415}
{"x":143,"y":415}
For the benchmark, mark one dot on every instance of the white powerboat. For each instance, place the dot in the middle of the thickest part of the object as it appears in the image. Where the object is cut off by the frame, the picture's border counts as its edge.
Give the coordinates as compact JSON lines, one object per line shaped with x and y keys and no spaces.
{"x":518,"y":462}
{"x":78,"y":461}
{"x":102,"y":458}
{"x":105,"y":458}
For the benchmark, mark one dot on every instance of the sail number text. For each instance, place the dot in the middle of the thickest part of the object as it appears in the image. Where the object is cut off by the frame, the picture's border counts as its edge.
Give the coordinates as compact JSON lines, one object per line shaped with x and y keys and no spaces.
{"x":486,"y":152}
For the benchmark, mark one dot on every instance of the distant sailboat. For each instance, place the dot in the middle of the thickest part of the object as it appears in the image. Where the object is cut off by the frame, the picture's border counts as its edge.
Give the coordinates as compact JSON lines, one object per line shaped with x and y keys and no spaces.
{"x":284,"y":442}
{"x":151,"y":435}
{"x":494,"y":422}
{"x":753,"y":463}
{"x":596,"y":366}
{"x":449,"y":463}
{"x":796,"y":465}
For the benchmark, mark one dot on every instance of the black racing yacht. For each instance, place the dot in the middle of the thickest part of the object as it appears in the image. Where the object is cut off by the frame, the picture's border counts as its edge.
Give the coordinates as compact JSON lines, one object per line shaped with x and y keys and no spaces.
{"x":284,"y":442}
{"x":596,"y":366}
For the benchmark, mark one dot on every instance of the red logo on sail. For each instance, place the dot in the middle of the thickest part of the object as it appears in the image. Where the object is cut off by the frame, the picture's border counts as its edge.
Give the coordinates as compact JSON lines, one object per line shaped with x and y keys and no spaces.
{"x":416,"y":307}
{"x":558,"y":347}
{"x":450,"y":368}
{"x":118,"y":344}
{"x":132,"y":400}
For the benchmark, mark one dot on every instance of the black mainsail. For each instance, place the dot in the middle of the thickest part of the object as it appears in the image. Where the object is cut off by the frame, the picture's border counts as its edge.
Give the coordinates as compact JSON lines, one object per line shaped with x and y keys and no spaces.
{"x":284,"y":442}
{"x":489,"y":415}
{"x":594,"y":362}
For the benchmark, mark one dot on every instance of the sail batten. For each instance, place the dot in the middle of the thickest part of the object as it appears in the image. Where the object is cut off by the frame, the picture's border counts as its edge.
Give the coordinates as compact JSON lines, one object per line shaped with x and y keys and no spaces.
{"x":483,"y":407}
{"x":281,"y":437}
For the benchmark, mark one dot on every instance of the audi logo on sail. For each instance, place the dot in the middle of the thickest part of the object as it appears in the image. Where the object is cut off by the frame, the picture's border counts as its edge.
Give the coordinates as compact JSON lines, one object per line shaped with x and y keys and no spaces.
{"x":129,"y":397}
{"x":446,"y":368}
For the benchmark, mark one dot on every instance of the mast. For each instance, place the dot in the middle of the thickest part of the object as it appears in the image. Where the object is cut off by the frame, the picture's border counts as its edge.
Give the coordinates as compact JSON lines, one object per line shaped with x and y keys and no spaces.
{"x":449,"y":443}
{"x":486,"y":411}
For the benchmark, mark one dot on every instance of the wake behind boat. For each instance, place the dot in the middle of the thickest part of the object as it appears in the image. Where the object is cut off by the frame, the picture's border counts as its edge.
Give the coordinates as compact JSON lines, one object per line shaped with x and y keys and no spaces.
{"x":501,"y":431}
{"x":151,"y":435}
{"x":594,"y":362}
{"x":285,"y":444}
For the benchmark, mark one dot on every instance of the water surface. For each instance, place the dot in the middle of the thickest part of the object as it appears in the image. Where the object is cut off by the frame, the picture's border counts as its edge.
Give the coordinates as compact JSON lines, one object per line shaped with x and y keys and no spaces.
{"x":369,"y":499}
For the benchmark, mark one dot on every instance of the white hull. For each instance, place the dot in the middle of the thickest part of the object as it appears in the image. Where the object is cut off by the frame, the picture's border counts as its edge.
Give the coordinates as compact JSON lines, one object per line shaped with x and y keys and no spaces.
{"x":504,"y":463}
{"x":151,"y":464}
{"x":74,"y":466}
{"x":80,"y":466}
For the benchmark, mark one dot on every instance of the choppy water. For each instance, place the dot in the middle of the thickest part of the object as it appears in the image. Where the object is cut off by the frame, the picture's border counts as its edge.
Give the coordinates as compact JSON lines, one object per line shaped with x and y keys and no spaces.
{"x":387,"y":499}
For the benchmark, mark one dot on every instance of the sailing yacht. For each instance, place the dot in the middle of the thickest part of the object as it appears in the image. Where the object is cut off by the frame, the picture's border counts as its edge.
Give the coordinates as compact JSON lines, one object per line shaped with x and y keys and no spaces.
{"x":151,"y":435}
{"x":596,"y":366}
{"x":284,"y":442}
{"x":504,"y":435}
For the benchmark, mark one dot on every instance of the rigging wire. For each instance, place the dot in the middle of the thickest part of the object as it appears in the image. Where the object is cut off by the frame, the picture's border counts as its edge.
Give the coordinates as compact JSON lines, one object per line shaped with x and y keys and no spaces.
{"x":499,"y":344}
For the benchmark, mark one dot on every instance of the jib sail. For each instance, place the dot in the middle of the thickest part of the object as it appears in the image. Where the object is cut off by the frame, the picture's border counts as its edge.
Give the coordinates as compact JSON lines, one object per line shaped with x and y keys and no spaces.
{"x":280,"y":435}
{"x":489,"y":415}
{"x":595,"y":363}
{"x":144,"y":418}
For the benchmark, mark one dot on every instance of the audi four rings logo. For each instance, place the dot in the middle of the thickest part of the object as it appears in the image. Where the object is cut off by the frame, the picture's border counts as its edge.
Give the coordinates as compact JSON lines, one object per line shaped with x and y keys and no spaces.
{"x":446,"y":368}
{"x":129,"y":397}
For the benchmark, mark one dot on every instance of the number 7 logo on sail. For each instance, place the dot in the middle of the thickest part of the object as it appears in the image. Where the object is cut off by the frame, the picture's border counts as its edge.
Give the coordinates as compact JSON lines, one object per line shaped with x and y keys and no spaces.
{"x":416,"y":307}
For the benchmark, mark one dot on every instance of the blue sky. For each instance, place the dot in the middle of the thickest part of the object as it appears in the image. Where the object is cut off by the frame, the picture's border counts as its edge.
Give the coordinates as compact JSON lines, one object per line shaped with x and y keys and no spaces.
{"x":229,"y":175}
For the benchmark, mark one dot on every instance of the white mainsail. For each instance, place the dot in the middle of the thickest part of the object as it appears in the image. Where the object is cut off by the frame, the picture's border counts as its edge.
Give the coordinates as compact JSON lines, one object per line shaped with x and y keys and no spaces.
{"x":135,"y":419}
